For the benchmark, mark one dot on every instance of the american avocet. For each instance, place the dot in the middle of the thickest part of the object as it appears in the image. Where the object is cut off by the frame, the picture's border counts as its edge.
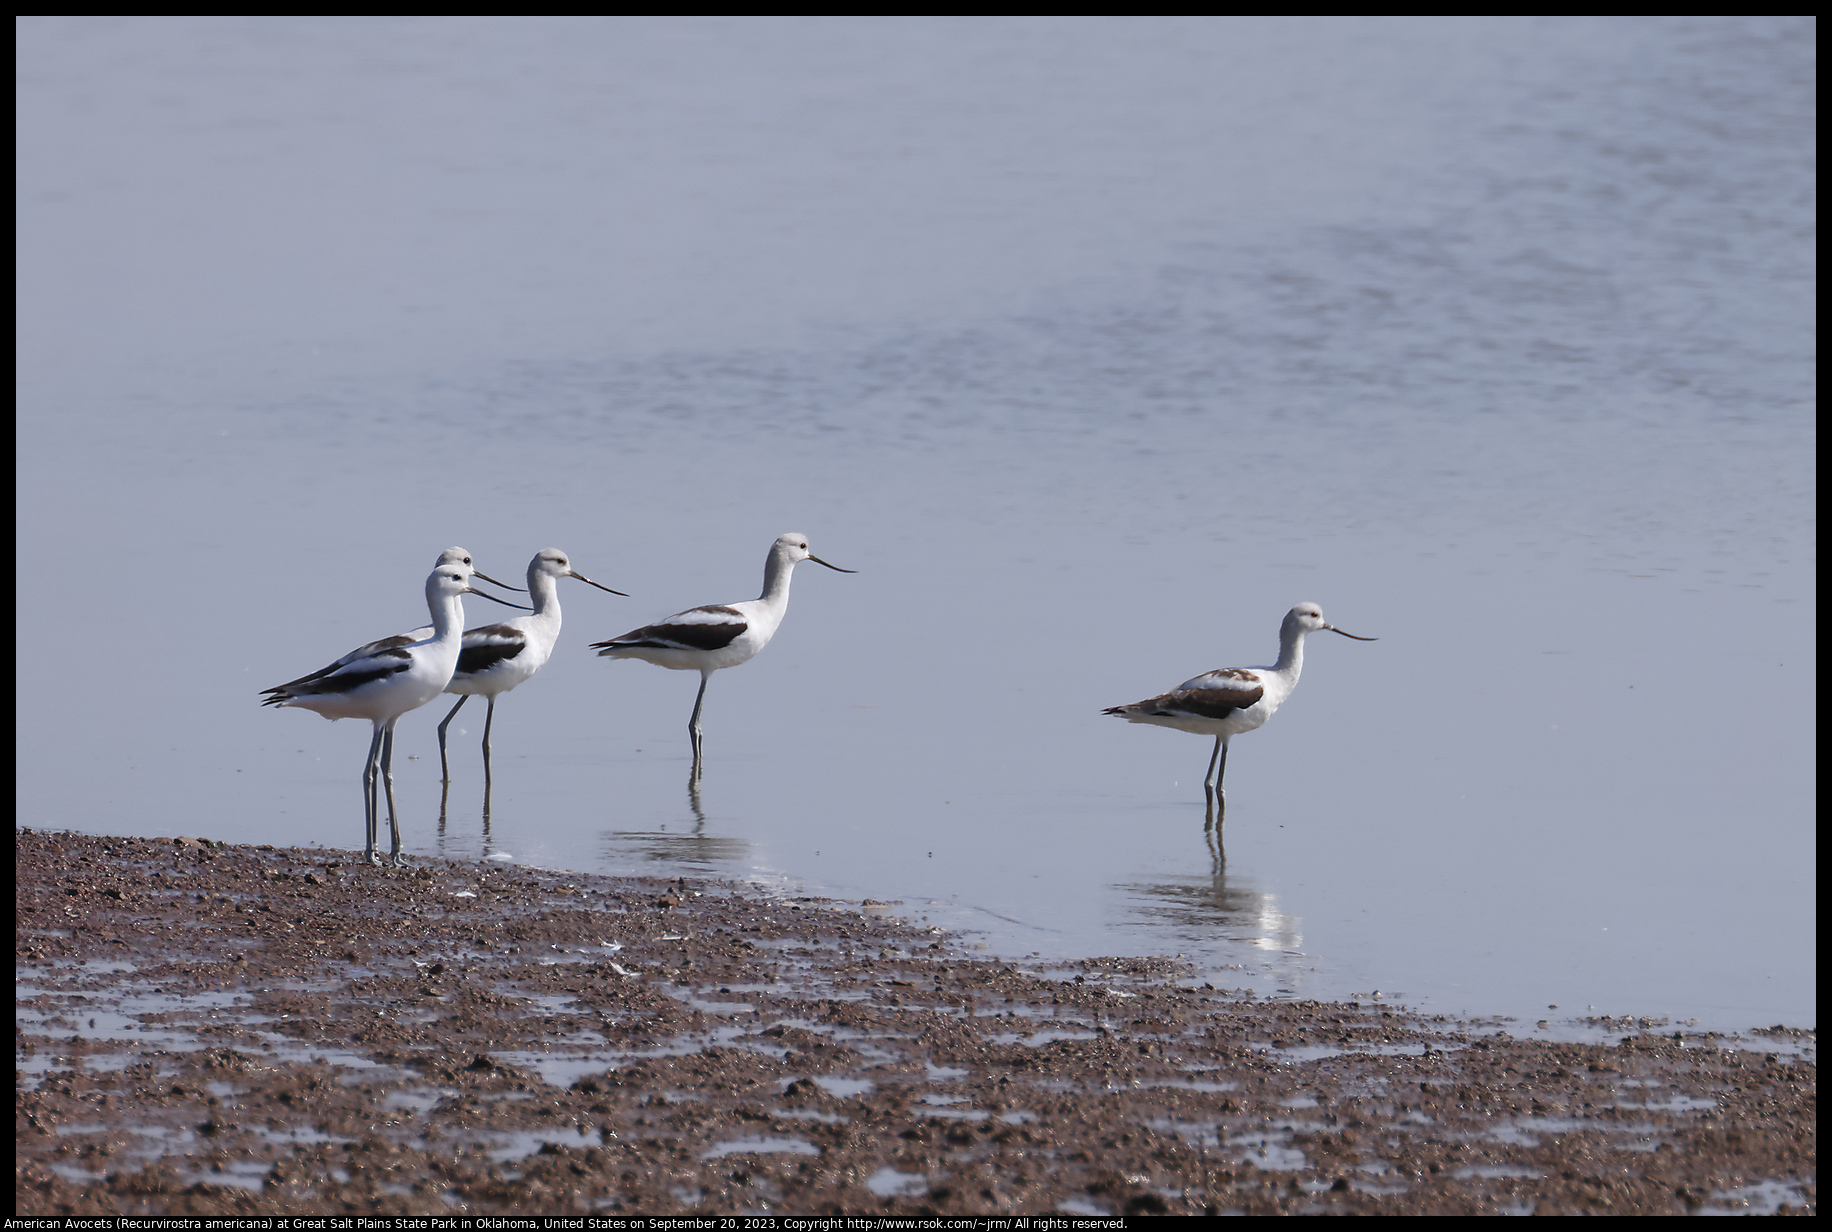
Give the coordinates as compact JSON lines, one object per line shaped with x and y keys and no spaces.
{"x":385,"y":684}
{"x":496,"y":658}
{"x":705,"y":639}
{"x":1228,"y":701}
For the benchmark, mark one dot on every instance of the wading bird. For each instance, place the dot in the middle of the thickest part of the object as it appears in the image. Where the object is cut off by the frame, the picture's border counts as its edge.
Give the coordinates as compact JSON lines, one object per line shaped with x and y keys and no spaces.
{"x":706,"y":639}
{"x":1228,"y":701}
{"x":496,"y":658}
{"x":385,"y":683}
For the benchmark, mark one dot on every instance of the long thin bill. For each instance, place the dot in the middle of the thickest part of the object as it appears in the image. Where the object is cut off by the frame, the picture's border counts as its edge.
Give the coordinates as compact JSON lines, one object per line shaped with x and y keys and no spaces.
{"x":472,"y":590}
{"x":606,"y":589}
{"x":492,"y":581}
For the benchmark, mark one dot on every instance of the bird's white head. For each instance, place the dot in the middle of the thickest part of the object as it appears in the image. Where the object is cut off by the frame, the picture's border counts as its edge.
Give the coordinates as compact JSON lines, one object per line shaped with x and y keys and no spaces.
{"x":1308,"y":618}
{"x":450,"y":577}
{"x":554,"y":563}
{"x":462,"y":556}
{"x":449,"y":580}
{"x":792,"y":548}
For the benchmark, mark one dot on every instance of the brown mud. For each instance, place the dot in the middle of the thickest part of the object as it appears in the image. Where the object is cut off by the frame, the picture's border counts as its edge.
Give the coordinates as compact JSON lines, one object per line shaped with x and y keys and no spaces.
{"x":207,"y":1029}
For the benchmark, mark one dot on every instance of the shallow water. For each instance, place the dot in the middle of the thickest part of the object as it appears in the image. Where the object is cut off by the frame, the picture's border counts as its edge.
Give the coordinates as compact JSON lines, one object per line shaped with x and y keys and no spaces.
{"x":1093,"y":345}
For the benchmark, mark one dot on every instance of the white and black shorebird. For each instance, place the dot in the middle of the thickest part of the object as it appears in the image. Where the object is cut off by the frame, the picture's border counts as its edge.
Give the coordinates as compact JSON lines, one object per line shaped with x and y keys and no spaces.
{"x":706,"y":639}
{"x":1228,"y":701}
{"x":496,"y":658}
{"x":383,"y":681}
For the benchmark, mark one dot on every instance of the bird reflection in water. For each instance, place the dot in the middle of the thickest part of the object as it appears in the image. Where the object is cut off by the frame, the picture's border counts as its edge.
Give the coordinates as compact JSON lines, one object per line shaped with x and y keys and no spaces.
{"x":691,"y":852}
{"x":445,"y":794}
{"x":1205,"y":906}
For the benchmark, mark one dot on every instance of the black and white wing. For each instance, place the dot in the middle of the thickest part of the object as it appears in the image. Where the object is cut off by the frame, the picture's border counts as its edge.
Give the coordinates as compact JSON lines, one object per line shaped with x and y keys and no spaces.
{"x":699,"y":629}
{"x":345,"y":677}
{"x":361,"y":652}
{"x":485,"y":647}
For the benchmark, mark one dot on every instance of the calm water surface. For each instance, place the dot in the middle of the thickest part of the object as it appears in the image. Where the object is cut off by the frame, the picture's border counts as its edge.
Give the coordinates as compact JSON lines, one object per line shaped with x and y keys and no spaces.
{"x":1092,"y":344}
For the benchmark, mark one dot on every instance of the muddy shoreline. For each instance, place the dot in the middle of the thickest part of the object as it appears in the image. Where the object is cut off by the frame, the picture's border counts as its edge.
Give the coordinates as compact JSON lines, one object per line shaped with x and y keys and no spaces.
{"x":209,"y":1029}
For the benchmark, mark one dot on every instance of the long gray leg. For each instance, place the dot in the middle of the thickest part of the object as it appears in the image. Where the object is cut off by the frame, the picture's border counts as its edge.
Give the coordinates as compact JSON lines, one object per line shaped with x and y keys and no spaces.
{"x":693,"y":724}
{"x":394,"y":826}
{"x":445,"y":769}
{"x":369,"y":800}
{"x":1211,"y":786}
{"x":486,"y":766}
{"x":488,"y":719}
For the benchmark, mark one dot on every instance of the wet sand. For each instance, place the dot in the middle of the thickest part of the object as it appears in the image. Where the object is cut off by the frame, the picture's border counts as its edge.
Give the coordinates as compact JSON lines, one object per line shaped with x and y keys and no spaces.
{"x":222,"y":1030}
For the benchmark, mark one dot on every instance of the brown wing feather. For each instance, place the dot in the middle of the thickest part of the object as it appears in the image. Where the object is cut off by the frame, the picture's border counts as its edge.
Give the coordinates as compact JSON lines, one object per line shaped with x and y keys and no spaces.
{"x":1220,"y":695}
{"x":1207,"y":703}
